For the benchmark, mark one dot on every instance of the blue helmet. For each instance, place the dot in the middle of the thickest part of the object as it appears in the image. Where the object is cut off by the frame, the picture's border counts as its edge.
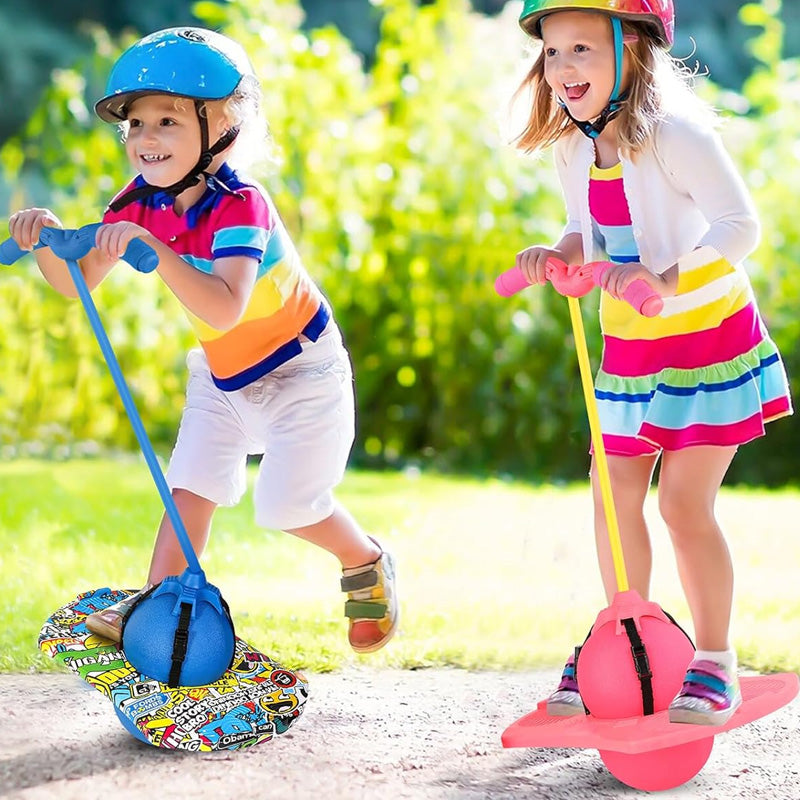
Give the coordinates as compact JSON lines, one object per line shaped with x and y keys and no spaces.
{"x":186,"y":62}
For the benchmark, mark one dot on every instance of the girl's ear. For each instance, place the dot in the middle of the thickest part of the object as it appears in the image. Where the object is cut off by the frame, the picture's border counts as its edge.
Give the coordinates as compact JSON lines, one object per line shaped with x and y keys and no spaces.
{"x":630,"y":38}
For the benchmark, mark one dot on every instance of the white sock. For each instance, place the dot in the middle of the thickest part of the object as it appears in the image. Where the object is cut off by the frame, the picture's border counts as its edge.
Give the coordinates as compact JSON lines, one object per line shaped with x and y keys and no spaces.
{"x":726,"y":658}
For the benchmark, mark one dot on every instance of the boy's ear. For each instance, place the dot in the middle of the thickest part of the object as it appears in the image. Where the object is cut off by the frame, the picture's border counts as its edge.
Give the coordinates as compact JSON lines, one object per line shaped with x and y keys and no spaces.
{"x":223,"y":126}
{"x":218,"y":123}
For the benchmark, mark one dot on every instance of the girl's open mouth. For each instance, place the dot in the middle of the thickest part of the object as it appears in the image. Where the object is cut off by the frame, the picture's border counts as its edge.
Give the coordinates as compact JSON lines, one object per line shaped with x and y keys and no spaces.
{"x":576,"y":90}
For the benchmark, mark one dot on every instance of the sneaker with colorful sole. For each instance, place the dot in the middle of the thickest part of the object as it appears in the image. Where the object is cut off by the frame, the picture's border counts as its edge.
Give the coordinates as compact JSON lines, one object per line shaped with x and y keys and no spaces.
{"x":709,"y":695}
{"x":566,"y":699}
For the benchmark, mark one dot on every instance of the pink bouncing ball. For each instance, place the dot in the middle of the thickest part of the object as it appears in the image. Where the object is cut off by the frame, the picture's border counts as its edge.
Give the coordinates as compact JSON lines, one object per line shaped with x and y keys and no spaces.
{"x":610,"y":673}
{"x":608,"y":661}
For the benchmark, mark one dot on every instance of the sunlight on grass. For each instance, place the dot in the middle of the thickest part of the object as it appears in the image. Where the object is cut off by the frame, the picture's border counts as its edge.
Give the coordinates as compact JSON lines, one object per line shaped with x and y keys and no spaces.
{"x":491,"y":574}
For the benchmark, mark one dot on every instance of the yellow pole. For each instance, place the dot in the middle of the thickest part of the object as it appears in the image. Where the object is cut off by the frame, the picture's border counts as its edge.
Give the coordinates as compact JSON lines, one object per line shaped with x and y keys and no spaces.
{"x":597,"y":443}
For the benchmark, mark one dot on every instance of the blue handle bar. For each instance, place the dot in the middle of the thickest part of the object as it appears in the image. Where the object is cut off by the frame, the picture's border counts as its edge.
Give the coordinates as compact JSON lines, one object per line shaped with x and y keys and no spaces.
{"x":76,"y":243}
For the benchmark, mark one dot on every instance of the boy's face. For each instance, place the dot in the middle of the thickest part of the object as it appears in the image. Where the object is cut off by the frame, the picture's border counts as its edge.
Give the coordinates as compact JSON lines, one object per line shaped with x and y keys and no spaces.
{"x":578,"y":51}
{"x":163,"y":140}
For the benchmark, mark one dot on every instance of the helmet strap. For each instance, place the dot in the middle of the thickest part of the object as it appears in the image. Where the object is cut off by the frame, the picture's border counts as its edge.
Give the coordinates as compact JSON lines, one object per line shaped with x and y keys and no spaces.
{"x":192,"y":178}
{"x":594,"y":128}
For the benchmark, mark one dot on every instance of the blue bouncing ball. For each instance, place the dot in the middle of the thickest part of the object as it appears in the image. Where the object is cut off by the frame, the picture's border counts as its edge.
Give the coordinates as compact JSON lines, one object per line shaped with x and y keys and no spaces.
{"x":149,"y":634}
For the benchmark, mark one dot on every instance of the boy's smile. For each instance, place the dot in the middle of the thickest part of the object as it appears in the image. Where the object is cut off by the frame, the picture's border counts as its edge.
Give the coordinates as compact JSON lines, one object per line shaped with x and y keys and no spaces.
{"x":163,"y":139}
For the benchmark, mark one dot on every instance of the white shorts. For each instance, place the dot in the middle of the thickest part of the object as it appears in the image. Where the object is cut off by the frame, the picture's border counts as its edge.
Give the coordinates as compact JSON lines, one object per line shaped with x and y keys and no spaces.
{"x":300,"y":416}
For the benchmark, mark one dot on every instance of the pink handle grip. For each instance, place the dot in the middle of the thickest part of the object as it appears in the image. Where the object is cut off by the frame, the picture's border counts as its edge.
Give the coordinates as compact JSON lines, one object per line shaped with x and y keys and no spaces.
{"x":510,"y":282}
{"x":576,"y":284}
{"x":640,"y":295}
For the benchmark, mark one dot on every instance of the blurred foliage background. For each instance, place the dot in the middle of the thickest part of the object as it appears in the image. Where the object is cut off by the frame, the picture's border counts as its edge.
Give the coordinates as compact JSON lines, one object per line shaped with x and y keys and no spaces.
{"x":393,"y":171}
{"x":39,"y":35}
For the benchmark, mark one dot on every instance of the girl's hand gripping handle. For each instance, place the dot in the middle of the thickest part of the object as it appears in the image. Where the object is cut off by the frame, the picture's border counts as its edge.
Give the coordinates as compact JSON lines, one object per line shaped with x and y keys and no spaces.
{"x":640,"y":295}
{"x":570,"y":281}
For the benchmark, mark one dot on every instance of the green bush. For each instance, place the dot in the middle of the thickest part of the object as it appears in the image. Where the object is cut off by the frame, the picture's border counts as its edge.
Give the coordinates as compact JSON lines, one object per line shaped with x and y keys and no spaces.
{"x":406,"y":201}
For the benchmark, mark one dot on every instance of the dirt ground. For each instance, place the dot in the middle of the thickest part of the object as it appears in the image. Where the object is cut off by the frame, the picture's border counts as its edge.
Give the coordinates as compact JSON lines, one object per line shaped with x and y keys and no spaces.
{"x":428,"y":734}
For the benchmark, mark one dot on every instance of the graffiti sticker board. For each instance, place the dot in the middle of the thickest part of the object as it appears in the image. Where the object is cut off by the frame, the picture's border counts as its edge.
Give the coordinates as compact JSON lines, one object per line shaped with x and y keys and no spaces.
{"x":253,"y":701}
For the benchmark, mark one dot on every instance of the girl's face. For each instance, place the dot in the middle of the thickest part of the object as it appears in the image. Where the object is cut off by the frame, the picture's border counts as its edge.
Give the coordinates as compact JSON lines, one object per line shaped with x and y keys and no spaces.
{"x":163,"y":139}
{"x":578,"y":49}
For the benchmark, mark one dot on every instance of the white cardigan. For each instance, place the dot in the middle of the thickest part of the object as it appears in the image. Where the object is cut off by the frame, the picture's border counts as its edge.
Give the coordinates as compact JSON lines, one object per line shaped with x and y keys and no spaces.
{"x":683,"y":193}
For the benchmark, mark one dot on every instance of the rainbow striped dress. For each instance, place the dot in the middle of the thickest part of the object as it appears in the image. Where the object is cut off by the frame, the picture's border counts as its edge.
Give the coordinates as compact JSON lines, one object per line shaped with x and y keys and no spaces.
{"x":703,"y":372}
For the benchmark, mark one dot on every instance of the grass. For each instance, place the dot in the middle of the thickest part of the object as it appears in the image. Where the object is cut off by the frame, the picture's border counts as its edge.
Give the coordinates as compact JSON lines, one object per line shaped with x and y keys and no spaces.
{"x":492,"y":574}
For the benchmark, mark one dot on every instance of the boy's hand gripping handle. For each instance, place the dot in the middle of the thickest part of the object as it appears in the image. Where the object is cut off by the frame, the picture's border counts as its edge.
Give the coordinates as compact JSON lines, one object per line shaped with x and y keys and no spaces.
{"x":640,"y":295}
{"x":75,"y":244}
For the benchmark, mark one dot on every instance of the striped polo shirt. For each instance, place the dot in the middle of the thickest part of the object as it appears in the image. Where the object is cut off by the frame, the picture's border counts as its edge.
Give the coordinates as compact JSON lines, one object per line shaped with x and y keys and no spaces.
{"x":237,"y":218}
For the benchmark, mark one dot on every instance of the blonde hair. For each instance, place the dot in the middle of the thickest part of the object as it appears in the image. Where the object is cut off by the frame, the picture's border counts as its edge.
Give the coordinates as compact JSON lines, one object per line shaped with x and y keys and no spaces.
{"x":657,"y":84}
{"x":243,"y":110}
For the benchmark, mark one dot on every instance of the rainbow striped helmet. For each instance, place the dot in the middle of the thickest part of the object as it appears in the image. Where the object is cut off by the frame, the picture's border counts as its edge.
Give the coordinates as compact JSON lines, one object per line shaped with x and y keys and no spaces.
{"x":659,"y":14}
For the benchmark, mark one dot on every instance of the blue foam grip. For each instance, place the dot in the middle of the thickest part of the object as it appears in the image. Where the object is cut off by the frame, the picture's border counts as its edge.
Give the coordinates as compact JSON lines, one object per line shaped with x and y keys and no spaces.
{"x":141,"y":256}
{"x":10,"y":252}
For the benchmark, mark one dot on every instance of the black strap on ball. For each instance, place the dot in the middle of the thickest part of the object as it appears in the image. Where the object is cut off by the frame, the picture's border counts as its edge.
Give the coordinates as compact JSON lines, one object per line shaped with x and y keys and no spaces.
{"x":642,"y":664}
{"x":675,"y":623}
{"x":575,"y":667}
{"x":179,"y":645}
{"x":641,"y":661}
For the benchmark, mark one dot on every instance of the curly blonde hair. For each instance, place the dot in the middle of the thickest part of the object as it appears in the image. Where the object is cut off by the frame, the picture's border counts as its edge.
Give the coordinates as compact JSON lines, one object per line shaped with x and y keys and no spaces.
{"x":243,"y":109}
{"x":658,"y":84}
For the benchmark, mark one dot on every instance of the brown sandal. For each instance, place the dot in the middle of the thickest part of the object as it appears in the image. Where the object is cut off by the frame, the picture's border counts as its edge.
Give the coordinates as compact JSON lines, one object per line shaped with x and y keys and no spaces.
{"x":108,"y":622}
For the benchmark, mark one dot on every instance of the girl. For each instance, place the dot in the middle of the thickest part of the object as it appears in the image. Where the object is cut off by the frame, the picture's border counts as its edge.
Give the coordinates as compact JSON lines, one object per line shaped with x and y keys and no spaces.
{"x":272,"y":376}
{"x":649,"y":186}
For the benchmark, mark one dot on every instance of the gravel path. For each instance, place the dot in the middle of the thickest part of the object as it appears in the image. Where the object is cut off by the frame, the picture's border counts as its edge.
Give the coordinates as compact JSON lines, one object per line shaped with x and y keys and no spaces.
{"x":366,"y":733}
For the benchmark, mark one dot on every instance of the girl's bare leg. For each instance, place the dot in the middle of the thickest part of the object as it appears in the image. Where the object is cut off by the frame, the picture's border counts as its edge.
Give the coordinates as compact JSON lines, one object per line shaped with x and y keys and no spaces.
{"x":688,"y":486}
{"x":630,"y":481}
